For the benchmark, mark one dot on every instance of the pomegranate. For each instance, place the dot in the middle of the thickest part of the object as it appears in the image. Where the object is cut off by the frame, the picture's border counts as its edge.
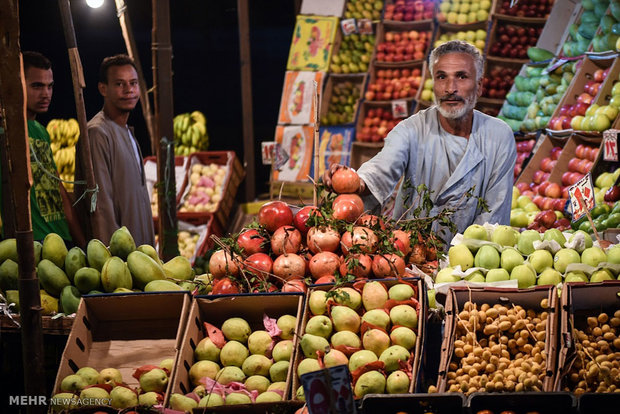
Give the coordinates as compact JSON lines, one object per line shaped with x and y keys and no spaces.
{"x":323,"y":239}
{"x":361,"y":270}
{"x":260,"y":264}
{"x":369,"y":220}
{"x":275,"y":214}
{"x":362,"y":237}
{"x":252,"y":242}
{"x":345,"y":181}
{"x":225,"y":286}
{"x":348,"y":207}
{"x":325,"y":279}
{"x":300,"y":219}
{"x":388,"y":265}
{"x":289,"y":266}
{"x":286,"y":239}
{"x":221,"y":264}
{"x":402,"y":241}
{"x":294,"y":285}
{"x":324,"y":263}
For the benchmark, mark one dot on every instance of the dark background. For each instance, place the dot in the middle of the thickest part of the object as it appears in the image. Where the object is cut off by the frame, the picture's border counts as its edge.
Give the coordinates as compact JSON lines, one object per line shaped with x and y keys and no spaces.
{"x":205,"y":44}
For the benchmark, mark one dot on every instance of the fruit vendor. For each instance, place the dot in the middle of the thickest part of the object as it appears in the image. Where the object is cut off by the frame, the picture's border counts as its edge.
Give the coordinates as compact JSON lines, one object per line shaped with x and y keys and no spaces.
{"x":450,"y":147}
{"x":122,"y":199}
{"x":49,"y":202}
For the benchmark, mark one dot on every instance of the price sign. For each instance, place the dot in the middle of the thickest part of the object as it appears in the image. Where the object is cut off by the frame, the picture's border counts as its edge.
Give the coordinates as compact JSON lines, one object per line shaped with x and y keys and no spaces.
{"x":268,"y":151}
{"x":399,"y":109}
{"x":364,"y":26}
{"x":348,"y":26}
{"x":554,"y":66}
{"x":581,"y":196}
{"x":610,"y":145}
{"x":328,"y":391}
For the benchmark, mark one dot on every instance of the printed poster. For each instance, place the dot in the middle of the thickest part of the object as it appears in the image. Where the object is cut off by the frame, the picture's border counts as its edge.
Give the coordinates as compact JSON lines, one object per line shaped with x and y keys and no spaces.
{"x":313,"y":40}
{"x":297,"y":104}
{"x":296,"y":145}
{"x":335,"y":145}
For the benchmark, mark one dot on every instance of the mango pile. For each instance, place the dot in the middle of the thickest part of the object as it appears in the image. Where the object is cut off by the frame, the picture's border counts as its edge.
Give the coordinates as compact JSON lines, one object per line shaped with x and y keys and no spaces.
{"x":65,"y":275}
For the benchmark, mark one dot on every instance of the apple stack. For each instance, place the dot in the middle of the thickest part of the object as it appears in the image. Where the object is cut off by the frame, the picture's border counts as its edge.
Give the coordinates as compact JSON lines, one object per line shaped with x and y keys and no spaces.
{"x":465,"y":12}
{"x":524,"y":149}
{"x":403,"y":46}
{"x":391,"y":84}
{"x":511,"y":41}
{"x":409,"y":10}
{"x":377,"y":123}
{"x":582,"y":33}
{"x":580,"y":164}
{"x":525,"y":8}
{"x":373,"y":329}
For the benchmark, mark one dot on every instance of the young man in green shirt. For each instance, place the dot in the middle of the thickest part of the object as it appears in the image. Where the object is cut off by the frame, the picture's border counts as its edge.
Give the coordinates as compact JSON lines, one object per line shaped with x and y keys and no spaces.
{"x":46,"y":200}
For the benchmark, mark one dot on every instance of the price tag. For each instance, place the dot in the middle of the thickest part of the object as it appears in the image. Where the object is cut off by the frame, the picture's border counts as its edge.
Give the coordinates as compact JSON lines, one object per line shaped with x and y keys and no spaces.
{"x":610,"y":145}
{"x":328,"y":391}
{"x":268,"y":151}
{"x":364,"y":26}
{"x":554,"y":66}
{"x":348,"y":26}
{"x":399,"y":109}
{"x":581,"y":196}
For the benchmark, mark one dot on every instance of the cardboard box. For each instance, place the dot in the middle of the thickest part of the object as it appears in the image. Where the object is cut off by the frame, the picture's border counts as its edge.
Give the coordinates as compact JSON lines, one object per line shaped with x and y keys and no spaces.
{"x":125,"y":331}
{"x":312,"y":43}
{"x":544,"y":150}
{"x":217,"y":309}
{"x":363,"y":151}
{"x":420,"y":332}
{"x":568,"y":153}
{"x":563,"y":14}
{"x":580,"y":300}
{"x":529,"y":298}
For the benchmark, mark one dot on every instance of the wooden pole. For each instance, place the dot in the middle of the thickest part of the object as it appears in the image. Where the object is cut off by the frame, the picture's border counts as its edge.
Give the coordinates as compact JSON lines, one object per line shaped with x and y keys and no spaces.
{"x":8,"y":219}
{"x":162,"y":79}
{"x":315,"y":139}
{"x":13,"y":95}
{"x":246,"y":98}
{"x":132,"y":51}
{"x":77,"y":76}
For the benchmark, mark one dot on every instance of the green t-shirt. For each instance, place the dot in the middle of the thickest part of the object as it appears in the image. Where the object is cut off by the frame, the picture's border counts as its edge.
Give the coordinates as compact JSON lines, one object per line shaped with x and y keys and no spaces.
{"x":46,"y":206}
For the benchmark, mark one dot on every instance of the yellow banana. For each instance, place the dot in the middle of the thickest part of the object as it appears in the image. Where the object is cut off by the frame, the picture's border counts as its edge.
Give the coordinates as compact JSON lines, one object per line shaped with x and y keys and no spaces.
{"x":198,"y":117}
{"x":200,"y":128}
{"x":185,"y":123}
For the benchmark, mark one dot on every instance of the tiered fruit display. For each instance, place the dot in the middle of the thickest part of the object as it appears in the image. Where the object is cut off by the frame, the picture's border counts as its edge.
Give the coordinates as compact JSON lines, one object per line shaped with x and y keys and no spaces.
{"x":341,"y":107}
{"x":550,"y":90}
{"x":399,"y":46}
{"x":526,"y":8}
{"x":372,"y":329}
{"x":354,"y":54}
{"x":190,"y":133}
{"x":580,"y":164}
{"x":235,"y":365}
{"x":377,"y":123}
{"x":596,"y":366}
{"x":64,"y":134}
{"x":66,"y":275}
{"x":456,"y":12}
{"x":206,"y":188}
{"x":582,"y":33}
{"x":573,"y":116}
{"x":475,"y":37}
{"x":410,"y":10}
{"x":364,"y":9}
{"x":505,"y":44}
{"x":89,"y":387}
{"x":524,"y":149}
{"x":498,"y":81}
{"x":546,"y":195}
{"x":606,"y":37}
{"x":391,"y":84}
{"x":498,"y":348}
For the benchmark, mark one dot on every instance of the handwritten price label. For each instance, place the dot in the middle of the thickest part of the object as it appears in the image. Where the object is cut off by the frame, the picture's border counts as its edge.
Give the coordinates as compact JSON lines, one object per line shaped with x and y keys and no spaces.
{"x":268,"y":149}
{"x":349,"y":26}
{"x":399,"y":109}
{"x":610,"y":145}
{"x":581,"y":196}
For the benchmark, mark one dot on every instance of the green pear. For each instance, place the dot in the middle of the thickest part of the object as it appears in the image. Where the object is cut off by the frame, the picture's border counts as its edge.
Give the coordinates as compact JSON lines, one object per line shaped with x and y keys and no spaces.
{"x":397,"y":383}
{"x":404,"y":315}
{"x":230,"y":374}
{"x":167,"y":363}
{"x":235,"y":398}
{"x":155,"y":380}
{"x":346,"y":338}
{"x":505,"y":236}
{"x":299,"y":394}
{"x":88,"y":395}
{"x":123,"y":397}
{"x":200,"y":391}
{"x":510,"y":258}
{"x":207,"y":350}
{"x":476,"y":277}
{"x":282,"y":351}
{"x":593,"y":256}
{"x":182,"y":403}
{"x":211,"y":400}
{"x":233,"y":353}
{"x":89,"y":374}
{"x":73,"y":383}
{"x":372,"y":382}
{"x":404,"y":337}
{"x":376,"y":340}
{"x":202,"y":369}
{"x":269,"y":396}
{"x":335,"y":357}
{"x":460,"y":255}
{"x":613,"y":254}
{"x":257,"y":383}
{"x":361,"y":358}
{"x":563,"y":258}
{"x":150,"y":399}
{"x":110,"y":376}
{"x":601,"y":275}
{"x":392,"y":356}
{"x":555,"y":234}
{"x":586,"y":243}
{"x":287,"y":324}
{"x":476,"y":231}
{"x":524,"y":275}
{"x":345,"y":319}
{"x":311,"y":343}
{"x":526,"y":241}
{"x":319,"y":325}
{"x":256,"y":365}
{"x":236,"y":329}
{"x":348,"y":297}
{"x":374,"y":295}
{"x":496,"y":275}
{"x":307,"y":365}
{"x":487,"y":257}
{"x":575,"y":276}
{"x":540,"y":260}
{"x":549,"y":276}
{"x":377,"y":317}
{"x":278,"y":371}
{"x":318,"y":302}
{"x":401,"y":291}
{"x":260,"y":342}
{"x":445,"y":276}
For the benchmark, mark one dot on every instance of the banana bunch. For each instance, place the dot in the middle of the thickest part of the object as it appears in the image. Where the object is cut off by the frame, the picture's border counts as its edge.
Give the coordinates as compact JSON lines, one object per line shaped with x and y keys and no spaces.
{"x":190,"y":133}
{"x":64,"y":134}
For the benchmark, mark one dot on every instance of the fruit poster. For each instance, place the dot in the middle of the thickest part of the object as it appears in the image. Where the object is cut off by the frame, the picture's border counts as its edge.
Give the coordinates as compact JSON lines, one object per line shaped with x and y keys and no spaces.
{"x":335,"y":145}
{"x":295,"y":144}
{"x":297,"y":104}
{"x":312,"y":44}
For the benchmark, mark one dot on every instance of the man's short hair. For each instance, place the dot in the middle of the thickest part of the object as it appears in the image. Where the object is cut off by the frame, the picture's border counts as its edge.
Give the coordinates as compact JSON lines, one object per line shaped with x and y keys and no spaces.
{"x":116,"y":60}
{"x":458,"y":46}
{"x":35,"y":60}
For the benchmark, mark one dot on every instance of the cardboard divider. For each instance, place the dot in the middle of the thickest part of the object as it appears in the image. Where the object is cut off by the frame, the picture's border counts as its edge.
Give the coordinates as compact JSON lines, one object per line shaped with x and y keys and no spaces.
{"x":442,"y":403}
{"x":420,"y":332}
{"x":568,"y":153}
{"x":399,"y":27}
{"x":541,"y":152}
{"x":529,"y":298}
{"x":578,"y":301}
{"x":217,"y":309}
{"x":547,"y":402}
{"x":357,"y":79}
{"x":125,"y":331}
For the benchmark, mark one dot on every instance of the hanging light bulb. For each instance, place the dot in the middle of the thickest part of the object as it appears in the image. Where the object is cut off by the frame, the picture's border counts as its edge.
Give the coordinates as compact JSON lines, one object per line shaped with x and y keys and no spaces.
{"x":95,"y":4}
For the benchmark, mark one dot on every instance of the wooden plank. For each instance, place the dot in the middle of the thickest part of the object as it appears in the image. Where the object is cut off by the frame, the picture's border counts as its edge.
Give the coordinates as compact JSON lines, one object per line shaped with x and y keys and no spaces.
{"x":246,"y":97}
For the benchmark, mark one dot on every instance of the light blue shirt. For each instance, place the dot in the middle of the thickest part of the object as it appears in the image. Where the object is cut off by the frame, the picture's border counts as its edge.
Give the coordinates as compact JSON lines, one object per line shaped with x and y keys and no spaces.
{"x":419,"y":149}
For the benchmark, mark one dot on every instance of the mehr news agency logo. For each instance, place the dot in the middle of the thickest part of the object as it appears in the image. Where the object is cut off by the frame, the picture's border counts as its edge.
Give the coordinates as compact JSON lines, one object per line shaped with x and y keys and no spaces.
{"x":74,"y":401}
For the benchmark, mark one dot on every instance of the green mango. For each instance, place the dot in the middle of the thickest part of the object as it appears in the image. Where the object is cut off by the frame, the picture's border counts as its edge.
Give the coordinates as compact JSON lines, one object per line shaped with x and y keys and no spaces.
{"x":52,"y":278}
{"x":122,"y":243}
{"x":54,"y":249}
{"x":615,"y":10}
{"x":9,"y":274}
{"x":75,"y":260}
{"x":115,"y":274}
{"x":12,"y":296}
{"x":87,"y":279}
{"x":589,"y":17}
{"x":600,"y":9}
{"x":572,"y":30}
{"x":150,"y":251}
{"x":606,"y":23}
{"x":179,"y":267}
{"x":144,"y":269}
{"x":97,"y":254}
{"x":38,"y":247}
{"x":162,"y":286}
{"x":537,"y":54}
{"x":70,"y":299}
{"x":8,"y":250}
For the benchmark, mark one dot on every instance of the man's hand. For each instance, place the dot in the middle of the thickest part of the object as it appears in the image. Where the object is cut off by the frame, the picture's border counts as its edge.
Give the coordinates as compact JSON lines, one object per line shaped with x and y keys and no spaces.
{"x":329,"y":172}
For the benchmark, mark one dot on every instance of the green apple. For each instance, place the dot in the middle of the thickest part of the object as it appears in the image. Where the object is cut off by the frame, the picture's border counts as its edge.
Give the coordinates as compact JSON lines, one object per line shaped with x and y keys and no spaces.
{"x":496,"y":275}
{"x":445,"y":276}
{"x":460,"y":255}
{"x":582,"y":246}
{"x":526,"y":241}
{"x":576,"y":276}
{"x":524,"y":275}
{"x":523,"y":200}
{"x":540,"y":260}
{"x":613,"y":256}
{"x":475,"y":277}
{"x":476,"y":231}
{"x":510,"y":258}
{"x":518,"y":218}
{"x":593,"y":256}
{"x":601,"y":275}
{"x":549,"y":276}
{"x":505,"y":236}
{"x":555,"y":234}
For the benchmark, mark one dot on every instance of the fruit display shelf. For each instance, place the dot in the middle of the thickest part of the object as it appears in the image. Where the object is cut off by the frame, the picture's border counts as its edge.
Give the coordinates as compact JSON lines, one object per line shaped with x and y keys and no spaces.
{"x":609,"y":93}
{"x":353,"y":53}
{"x":524,"y":10}
{"x":498,"y":80}
{"x":452,"y":13}
{"x":389,"y":83}
{"x":581,"y":33}
{"x":376,"y":120}
{"x":409,"y":11}
{"x":606,"y":37}
{"x":475,"y":34}
{"x":509,"y":41}
{"x":341,"y":98}
{"x":404,"y":42}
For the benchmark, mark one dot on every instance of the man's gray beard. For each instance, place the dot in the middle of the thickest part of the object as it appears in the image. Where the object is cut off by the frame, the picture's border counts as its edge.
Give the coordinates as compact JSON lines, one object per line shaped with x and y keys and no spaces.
{"x":468,"y":105}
